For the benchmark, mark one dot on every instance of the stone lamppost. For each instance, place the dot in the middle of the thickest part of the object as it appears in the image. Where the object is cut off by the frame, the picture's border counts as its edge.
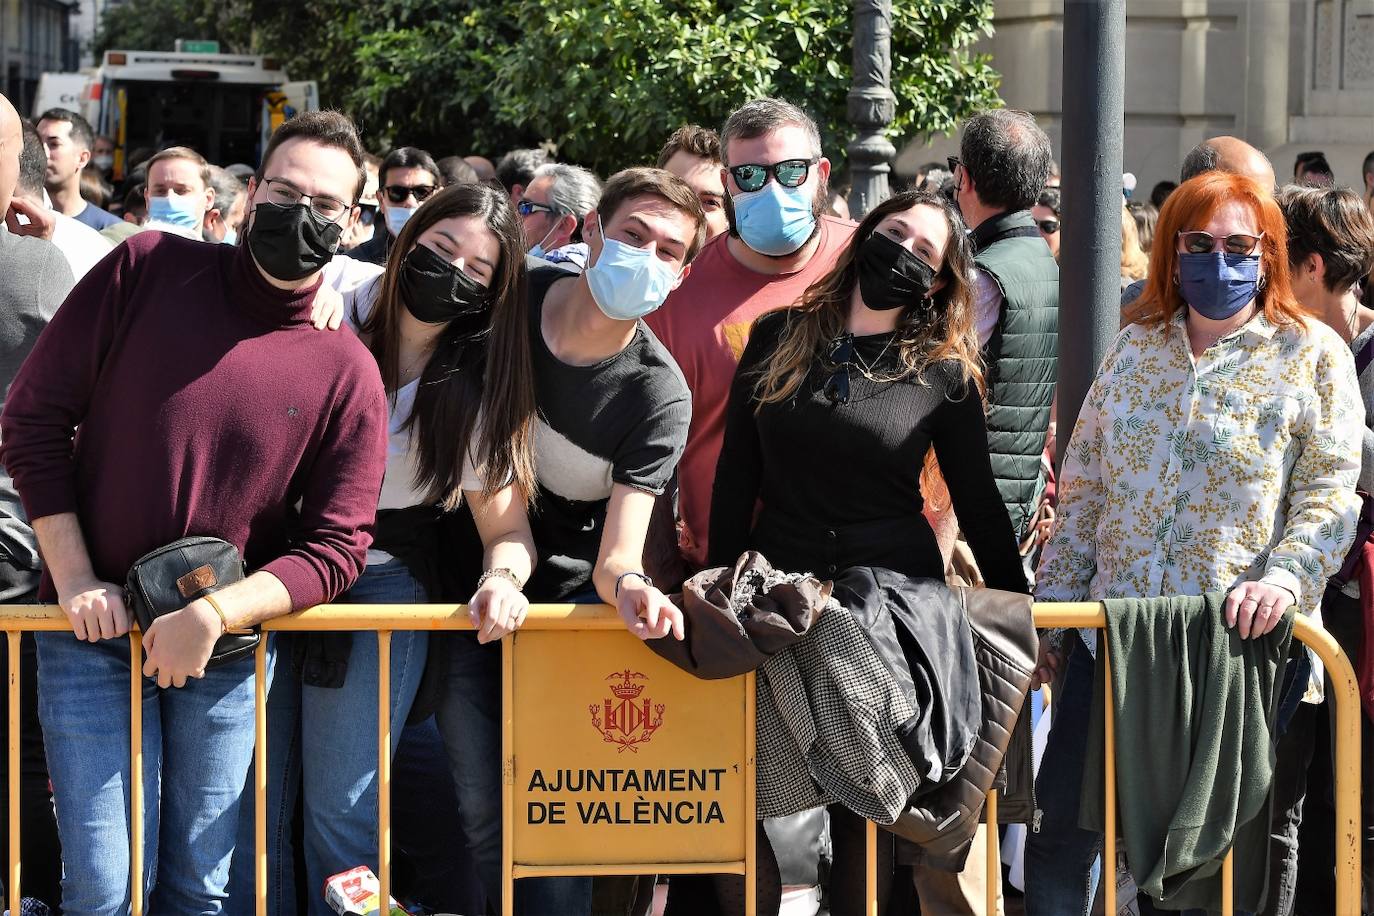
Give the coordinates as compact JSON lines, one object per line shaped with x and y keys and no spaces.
{"x":871,"y":106}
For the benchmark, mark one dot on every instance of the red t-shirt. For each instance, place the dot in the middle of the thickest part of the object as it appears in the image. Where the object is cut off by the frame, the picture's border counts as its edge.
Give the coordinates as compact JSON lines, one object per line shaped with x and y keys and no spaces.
{"x":705,"y":324}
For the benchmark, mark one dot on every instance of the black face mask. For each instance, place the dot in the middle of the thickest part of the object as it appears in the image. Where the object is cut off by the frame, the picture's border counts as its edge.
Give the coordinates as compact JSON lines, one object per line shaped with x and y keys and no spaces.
{"x":291,"y":243}
{"x":890,"y":277}
{"x":436,"y":292}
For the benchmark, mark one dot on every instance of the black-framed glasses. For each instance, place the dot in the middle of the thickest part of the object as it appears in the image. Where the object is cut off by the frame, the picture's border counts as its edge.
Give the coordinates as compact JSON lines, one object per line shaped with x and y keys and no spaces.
{"x":527,"y":207}
{"x":284,"y":194}
{"x":953,"y":162}
{"x":1048,"y":226}
{"x":1199,"y":242}
{"x":397,"y":193}
{"x":790,"y":173}
{"x":840,"y":356}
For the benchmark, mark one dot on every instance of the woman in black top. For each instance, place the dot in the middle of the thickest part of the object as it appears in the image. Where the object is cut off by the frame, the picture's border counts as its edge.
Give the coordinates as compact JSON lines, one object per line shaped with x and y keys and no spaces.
{"x":832,"y":414}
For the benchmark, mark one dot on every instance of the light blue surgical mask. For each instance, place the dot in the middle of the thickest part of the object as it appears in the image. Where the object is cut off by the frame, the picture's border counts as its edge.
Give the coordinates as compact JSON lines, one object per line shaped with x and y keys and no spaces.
{"x":230,"y":237}
{"x":774,"y":220}
{"x":629,"y":282}
{"x":539,"y":251}
{"x":177,"y":210}
{"x":396,"y":218}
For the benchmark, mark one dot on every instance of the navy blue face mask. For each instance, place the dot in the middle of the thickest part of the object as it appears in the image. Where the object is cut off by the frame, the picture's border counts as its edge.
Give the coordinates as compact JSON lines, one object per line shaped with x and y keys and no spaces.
{"x":1216,"y":284}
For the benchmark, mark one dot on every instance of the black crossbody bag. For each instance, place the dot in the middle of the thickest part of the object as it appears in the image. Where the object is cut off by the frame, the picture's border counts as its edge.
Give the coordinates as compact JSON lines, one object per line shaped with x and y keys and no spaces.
{"x":171,"y":577}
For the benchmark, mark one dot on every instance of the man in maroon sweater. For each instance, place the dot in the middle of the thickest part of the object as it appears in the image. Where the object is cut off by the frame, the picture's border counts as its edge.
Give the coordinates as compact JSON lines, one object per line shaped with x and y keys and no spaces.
{"x":181,"y":390}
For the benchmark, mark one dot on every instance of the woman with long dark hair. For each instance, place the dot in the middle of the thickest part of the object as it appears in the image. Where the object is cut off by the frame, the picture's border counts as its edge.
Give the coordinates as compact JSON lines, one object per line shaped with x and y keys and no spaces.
{"x":834,"y":411}
{"x":445,"y":324}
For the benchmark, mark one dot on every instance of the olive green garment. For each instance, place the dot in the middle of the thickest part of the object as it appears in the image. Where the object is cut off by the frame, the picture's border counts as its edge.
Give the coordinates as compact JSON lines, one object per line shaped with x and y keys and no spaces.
{"x":1194,"y":747}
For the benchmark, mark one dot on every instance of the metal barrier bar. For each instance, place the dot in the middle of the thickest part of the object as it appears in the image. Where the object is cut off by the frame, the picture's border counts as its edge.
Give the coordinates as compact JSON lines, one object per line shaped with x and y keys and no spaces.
{"x":384,"y":619}
{"x":1109,"y":785}
{"x":12,"y":642}
{"x":135,"y":772}
{"x":508,"y":776}
{"x":994,"y":855}
{"x":384,"y":769}
{"x":751,"y":852}
{"x":871,"y":869}
{"x":260,"y":777}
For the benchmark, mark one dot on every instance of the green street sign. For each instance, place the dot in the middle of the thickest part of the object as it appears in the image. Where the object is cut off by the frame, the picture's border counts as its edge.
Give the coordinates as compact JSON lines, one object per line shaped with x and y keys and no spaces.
{"x":197,"y":47}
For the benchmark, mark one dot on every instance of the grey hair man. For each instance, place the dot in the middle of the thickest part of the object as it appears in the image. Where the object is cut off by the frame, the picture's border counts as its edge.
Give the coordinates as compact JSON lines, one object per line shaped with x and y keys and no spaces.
{"x":225,"y":216}
{"x":552,"y":209}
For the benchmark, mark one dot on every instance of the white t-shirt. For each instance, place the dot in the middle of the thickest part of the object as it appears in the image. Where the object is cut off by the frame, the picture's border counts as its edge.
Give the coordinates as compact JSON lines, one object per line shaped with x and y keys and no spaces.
{"x":82,"y":246}
{"x":398,"y":485}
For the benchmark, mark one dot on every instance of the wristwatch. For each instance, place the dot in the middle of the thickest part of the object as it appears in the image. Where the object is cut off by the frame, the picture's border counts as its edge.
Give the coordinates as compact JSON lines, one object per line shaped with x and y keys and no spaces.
{"x":501,"y":572}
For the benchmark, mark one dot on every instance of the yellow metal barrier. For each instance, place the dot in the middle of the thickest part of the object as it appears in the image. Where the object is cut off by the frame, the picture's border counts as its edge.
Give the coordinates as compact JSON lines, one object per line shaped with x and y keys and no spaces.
{"x":385,"y":619}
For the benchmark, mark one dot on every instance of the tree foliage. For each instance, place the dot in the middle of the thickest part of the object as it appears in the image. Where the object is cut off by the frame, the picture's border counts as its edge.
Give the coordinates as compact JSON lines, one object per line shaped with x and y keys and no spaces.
{"x":604,"y":80}
{"x":630,"y":71}
{"x":155,"y":25}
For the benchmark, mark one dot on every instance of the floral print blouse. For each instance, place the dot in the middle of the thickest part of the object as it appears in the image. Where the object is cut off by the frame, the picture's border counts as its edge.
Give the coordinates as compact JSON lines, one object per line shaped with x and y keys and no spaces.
{"x":1185,"y":476}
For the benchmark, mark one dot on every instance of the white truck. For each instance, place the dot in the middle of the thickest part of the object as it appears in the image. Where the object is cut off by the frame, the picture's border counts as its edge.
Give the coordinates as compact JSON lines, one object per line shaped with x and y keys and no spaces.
{"x":225,"y":106}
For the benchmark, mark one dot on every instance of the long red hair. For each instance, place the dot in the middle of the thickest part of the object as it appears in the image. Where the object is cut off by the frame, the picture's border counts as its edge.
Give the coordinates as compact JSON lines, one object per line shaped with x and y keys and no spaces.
{"x":1189,"y":208}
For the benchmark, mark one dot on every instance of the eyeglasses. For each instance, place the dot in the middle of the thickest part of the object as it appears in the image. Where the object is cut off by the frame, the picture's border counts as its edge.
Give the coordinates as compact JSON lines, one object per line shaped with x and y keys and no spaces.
{"x":841,"y":357}
{"x":790,"y":173}
{"x":284,"y":194}
{"x":1048,"y":226}
{"x":953,"y":162}
{"x":397,"y":193}
{"x":526,"y":207}
{"x":1198,"y":242}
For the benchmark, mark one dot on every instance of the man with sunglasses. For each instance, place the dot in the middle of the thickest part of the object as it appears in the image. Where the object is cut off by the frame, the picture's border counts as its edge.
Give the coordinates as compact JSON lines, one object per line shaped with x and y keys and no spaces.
{"x":181,"y":390}
{"x":779,"y":243}
{"x":551,"y":210}
{"x":407,"y":178}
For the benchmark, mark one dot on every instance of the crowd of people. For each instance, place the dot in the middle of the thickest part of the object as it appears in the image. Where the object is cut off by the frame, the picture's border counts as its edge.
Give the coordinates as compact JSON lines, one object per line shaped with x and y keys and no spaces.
{"x":405,"y":379}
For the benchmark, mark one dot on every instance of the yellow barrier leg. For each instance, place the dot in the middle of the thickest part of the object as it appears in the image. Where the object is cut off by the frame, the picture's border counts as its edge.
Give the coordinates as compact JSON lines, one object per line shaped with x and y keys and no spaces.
{"x":384,"y":768}
{"x":136,"y":772}
{"x":260,"y":778}
{"x":1228,"y":884}
{"x":12,"y":641}
{"x":871,"y":868}
{"x":751,"y":851}
{"x":1109,"y":831}
{"x":507,"y":777}
{"x":1345,"y":694}
{"x":993,"y":875}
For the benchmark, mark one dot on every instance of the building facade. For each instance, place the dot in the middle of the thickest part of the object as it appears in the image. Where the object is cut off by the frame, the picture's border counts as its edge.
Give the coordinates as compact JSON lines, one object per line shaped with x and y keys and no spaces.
{"x":1285,"y":75}
{"x":35,"y":37}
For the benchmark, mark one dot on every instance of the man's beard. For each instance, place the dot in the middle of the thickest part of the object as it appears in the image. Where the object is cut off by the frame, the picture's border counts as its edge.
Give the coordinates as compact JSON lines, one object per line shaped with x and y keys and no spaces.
{"x":817,"y":210}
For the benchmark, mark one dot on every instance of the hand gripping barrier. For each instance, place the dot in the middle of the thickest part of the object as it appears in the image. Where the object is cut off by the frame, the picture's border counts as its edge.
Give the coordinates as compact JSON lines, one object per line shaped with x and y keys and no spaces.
{"x":709,"y":829}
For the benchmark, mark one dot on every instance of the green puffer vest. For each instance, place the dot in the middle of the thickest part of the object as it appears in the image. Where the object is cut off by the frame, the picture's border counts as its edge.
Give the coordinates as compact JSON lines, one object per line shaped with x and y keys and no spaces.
{"x":1022,"y":357}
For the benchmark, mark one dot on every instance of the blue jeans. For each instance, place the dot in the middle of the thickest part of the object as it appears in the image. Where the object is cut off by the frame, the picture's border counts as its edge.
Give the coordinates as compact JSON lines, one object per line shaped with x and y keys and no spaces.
{"x":469,"y":719}
{"x":321,"y":741}
{"x":197,"y":744}
{"x":1062,"y":859}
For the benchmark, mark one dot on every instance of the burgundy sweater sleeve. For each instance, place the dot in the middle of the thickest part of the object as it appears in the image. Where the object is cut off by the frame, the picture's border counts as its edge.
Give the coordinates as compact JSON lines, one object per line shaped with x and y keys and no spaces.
{"x":52,"y":392}
{"x":333,"y":529}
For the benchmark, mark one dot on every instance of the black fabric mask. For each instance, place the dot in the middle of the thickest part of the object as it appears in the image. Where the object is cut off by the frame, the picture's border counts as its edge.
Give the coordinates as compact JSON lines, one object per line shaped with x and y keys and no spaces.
{"x":291,"y":243}
{"x":890,"y":277}
{"x":436,"y":292}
